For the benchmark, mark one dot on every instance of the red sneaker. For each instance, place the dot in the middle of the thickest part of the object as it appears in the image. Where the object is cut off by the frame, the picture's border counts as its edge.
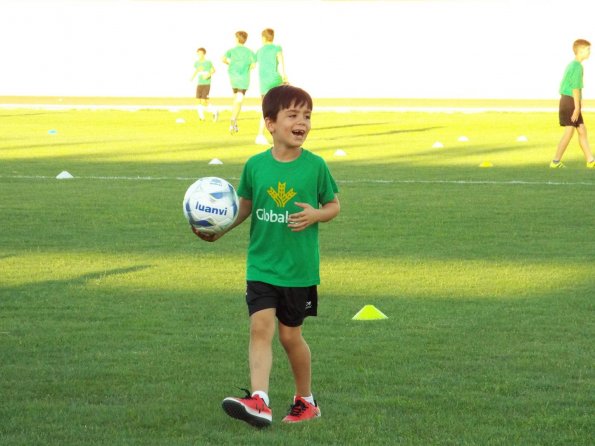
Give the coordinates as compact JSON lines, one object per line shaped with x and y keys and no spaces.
{"x":251,"y":409}
{"x":302,"y":410}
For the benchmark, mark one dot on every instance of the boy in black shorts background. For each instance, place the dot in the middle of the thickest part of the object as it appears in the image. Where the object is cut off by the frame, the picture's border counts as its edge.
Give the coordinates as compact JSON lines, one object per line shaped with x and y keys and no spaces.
{"x":570,"y":114}
{"x":203,"y":72}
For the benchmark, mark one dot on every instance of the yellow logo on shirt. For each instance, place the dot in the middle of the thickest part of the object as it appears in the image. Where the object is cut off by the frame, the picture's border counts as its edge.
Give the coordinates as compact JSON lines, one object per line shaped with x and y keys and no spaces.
{"x":281,"y":196}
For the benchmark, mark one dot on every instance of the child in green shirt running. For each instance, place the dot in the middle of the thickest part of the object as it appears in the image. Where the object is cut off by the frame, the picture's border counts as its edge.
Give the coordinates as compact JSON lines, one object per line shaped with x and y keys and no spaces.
{"x":287,"y":191}
{"x":570,"y":114}
{"x":240,"y":61}
{"x":203,"y":72}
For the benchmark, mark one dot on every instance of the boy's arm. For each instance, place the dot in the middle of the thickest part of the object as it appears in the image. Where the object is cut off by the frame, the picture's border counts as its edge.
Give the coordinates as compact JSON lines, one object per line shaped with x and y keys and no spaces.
{"x":244,"y":211}
{"x":310,"y":215}
{"x":207,"y":74}
{"x":576,"y":94}
{"x":253,"y":61}
{"x":281,"y":66}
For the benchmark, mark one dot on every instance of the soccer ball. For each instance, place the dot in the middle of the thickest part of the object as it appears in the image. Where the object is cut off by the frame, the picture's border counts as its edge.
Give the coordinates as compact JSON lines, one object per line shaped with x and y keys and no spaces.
{"x":210,"y":205}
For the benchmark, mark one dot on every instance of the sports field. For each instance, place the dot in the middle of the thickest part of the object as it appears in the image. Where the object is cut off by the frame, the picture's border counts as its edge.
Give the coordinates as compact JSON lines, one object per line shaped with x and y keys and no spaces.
{"x":119,"y":327}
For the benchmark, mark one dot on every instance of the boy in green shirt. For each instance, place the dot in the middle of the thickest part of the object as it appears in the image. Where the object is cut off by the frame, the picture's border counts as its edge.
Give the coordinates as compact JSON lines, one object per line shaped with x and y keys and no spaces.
{"x":286,"y":190}
{"x":271,"y":72}
{"x":240,"y":61}
{"x":203,"y":71}
{"x":570,"y":114}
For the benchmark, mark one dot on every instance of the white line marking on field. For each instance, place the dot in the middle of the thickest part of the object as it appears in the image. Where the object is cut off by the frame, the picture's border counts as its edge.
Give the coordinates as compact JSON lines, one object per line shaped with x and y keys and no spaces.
{"x":357,"y":181}
{"x":324,"y":108}
{"x":473,"y":182}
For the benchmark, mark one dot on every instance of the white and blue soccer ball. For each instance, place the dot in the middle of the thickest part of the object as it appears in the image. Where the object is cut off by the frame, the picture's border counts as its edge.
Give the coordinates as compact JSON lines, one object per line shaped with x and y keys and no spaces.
{"x":211,"y":205}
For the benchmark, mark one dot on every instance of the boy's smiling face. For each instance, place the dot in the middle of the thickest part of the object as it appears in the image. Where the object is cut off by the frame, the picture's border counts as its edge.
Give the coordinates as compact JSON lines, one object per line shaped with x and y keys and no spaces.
{"x":292,"y":126}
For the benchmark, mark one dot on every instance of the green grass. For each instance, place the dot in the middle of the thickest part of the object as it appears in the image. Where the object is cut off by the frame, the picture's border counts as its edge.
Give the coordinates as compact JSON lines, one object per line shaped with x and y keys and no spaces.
{"x":119,"y":327}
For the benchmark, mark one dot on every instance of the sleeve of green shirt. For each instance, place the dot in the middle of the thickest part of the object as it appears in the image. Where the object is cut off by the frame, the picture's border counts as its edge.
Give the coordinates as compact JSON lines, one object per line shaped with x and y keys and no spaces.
{"x":576,"y":79}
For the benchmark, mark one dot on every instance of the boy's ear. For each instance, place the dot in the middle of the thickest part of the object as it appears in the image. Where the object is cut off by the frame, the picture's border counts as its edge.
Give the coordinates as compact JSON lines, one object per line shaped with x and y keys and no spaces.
{"x":269,"y":124}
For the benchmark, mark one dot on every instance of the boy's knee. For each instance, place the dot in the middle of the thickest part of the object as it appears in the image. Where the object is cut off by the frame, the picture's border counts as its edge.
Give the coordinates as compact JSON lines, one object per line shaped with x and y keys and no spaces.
{"x":261,"y":332}
{"x":239,"y":98}
{"x":290,"y":337}
{"x":262,"y":325}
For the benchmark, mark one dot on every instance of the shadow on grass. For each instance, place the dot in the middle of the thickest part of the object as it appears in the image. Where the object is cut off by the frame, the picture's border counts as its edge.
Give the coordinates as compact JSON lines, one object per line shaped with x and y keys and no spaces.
{"x":384,"y":133}
{"x":7,"y":256}
{"x":75,"y":281}
{"x":24,"y":115}
{"x":350,"y":126}
{"x":139,"y":367}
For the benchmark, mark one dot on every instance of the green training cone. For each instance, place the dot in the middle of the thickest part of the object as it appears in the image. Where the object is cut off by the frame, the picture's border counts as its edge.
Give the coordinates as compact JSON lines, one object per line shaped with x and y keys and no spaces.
{"x":369,"y":313}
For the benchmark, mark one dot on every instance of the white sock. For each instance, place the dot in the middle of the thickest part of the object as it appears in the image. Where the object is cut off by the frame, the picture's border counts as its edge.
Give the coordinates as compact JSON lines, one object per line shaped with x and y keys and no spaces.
{"x":263,"y":395}
{"x":201,"y":113}
{"x":309,"y":399}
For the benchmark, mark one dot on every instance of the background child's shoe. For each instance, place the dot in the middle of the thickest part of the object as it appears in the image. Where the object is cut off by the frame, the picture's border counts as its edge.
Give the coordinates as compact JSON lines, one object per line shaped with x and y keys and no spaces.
{"x":557,"y":165}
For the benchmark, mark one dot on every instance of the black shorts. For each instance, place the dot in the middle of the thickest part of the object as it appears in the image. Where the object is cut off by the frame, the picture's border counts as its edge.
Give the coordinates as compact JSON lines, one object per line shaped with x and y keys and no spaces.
{"x":239,"y":90}
{"x":566,"y":110}
{"x":293,"y":304}
{"x":202,"y":91}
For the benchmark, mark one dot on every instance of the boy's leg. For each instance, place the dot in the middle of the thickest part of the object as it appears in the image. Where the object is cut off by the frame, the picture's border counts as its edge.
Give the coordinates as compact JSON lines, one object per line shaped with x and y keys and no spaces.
{"x":304,"y":407}
{"x":260,"y":138}
{"x":254,"y":408}
{"x":298,"y":353}
{"x":262,"y":330}
{"x":200,"y":109}
{"x":237,"y":105}
{"x":584,"y":143}
{"x":564,"y":141}
{"x":213,"y":110}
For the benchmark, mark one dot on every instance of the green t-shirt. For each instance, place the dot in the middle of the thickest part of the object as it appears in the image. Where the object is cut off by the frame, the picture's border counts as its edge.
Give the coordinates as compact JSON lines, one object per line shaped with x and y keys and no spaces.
{"x":573,"y":78}
{"x":268,"y":73}
{"x":203,"y":65}
{"x":240,"y":60}
{"x":276,"y":255}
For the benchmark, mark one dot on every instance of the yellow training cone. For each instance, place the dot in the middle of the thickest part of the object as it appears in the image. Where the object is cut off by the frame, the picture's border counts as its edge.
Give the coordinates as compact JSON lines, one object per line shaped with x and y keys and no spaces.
{"x":369,"y":313}
{"x":486,"y":164}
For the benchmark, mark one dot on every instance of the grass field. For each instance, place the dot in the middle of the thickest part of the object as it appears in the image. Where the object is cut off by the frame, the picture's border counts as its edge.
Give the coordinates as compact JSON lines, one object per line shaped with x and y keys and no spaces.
{"x":119,"y":327}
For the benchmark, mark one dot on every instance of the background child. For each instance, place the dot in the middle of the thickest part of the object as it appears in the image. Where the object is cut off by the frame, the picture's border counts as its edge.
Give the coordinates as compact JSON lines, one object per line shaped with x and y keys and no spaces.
{"x":570,"y":114}
{"x":203,"y":71}
{"x":240,"y":60}
{"x":271,"y":72}
{"x":286,"y":191}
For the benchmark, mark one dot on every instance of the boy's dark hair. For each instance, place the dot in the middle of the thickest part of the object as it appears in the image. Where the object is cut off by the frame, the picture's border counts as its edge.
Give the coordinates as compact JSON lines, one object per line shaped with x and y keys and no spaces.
{"x":242,"y":36}
{"x":201,"y":49}
{"x":268,"y":34}
{"x":579,"y":43}
{"x":283,"y":97}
